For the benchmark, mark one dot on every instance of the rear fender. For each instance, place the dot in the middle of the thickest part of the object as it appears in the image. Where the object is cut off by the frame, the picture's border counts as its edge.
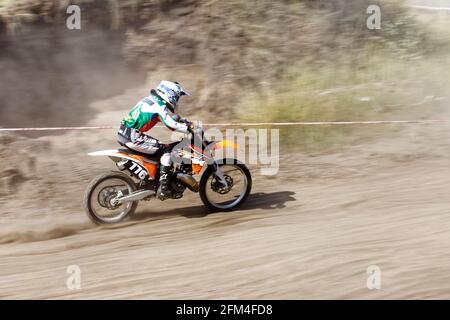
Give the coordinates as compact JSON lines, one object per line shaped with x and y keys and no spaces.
{"x":150,"y":167}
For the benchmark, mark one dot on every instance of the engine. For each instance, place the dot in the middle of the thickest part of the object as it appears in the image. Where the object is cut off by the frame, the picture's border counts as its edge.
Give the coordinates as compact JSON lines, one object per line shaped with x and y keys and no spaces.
{"x":177,"y":189}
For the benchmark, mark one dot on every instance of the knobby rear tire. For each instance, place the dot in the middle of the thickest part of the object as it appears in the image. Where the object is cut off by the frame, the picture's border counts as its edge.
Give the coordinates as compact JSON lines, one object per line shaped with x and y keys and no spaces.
{"x":94,"y":183}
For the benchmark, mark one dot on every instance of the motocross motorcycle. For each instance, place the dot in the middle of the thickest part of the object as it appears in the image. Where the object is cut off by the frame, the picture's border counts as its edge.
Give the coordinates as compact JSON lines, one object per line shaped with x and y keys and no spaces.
{"x":223,"y":184}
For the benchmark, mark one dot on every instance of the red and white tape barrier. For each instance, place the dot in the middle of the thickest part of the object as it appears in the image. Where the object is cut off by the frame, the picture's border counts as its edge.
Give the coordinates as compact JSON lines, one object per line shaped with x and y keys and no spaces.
{"x":54,"y":129}
{"x":430,"y":8}
{"x":247,"y":124}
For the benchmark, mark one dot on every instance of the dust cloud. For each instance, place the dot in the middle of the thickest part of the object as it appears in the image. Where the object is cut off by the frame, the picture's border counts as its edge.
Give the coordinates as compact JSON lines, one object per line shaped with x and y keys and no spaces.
{"x":49,"y":75}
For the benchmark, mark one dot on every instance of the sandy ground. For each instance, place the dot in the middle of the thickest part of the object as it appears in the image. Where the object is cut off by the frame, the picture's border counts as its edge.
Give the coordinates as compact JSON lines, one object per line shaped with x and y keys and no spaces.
{"x":311,"y":232}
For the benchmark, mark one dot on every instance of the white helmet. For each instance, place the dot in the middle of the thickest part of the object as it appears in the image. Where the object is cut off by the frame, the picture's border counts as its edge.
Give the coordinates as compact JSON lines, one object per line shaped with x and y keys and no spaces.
{"x":170,"y":92}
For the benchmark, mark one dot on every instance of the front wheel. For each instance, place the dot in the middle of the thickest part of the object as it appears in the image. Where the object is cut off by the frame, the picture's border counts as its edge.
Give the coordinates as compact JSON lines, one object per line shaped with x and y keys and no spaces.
{"x":99,"y":199}
{"x":216,"y":196}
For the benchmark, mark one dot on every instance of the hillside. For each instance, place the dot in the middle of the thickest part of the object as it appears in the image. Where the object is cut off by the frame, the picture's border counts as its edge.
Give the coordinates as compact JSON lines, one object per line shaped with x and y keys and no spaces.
{"x":221,"y":50}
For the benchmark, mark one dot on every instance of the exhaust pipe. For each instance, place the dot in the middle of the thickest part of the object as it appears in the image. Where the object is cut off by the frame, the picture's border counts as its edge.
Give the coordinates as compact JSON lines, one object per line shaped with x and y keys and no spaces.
{"x":188,"y":181}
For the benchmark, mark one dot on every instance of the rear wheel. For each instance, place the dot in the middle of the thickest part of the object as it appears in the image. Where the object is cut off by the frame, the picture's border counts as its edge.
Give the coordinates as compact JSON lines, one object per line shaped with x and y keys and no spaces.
{"x":217,"y":197}
{"x":99,"y":199}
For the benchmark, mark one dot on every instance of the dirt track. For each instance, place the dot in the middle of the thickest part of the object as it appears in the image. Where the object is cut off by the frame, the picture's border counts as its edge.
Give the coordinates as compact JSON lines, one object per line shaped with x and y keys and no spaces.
{"x":311,"y":232}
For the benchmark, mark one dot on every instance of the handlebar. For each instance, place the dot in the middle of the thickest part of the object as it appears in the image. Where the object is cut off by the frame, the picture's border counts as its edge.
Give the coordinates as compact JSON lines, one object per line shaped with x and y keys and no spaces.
{"x":197,"y":131}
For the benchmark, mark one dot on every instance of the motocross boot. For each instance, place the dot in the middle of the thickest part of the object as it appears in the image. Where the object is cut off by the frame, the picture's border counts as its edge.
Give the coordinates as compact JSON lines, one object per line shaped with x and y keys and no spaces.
{"x":165,"y":178}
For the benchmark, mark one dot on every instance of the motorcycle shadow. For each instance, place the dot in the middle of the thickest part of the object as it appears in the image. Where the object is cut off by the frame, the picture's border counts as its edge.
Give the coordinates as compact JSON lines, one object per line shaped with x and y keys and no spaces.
{"x":258,"y":200}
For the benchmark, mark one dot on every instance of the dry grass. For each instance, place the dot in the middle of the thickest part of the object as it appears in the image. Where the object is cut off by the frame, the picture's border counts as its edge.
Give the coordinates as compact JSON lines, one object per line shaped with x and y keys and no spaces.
{"x":371,"y":85}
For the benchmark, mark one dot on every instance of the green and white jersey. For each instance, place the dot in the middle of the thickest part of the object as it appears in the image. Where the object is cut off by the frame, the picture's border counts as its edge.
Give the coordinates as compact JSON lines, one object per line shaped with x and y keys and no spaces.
{"x":148,"y":112}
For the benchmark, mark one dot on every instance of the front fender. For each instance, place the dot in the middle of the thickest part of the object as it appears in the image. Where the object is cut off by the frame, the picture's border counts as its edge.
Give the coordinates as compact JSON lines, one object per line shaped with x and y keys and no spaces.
{"x":224,"y":144}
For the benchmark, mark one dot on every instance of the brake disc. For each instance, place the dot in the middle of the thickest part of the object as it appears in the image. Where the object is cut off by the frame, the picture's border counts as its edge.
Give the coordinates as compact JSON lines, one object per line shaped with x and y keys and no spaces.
{"x":218,"y":187}
{"x":105,"y":197}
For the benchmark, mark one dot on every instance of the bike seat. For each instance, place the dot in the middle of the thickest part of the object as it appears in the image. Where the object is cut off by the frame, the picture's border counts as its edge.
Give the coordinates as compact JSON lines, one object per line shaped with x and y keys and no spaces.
{"x":154,"y":156}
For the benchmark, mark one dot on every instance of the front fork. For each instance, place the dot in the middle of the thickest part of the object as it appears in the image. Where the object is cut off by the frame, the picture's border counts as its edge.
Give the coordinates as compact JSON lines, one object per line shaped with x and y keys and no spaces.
{"x":219,"y":174}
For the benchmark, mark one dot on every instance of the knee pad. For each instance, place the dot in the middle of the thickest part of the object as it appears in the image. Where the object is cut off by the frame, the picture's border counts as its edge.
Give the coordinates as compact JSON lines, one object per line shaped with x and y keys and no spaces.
{"x":166,"y":159}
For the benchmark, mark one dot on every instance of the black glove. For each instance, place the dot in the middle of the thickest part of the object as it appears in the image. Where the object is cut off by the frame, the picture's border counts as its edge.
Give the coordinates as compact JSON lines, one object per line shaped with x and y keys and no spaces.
{"x":188,"y":123}
{"x":176,"y":117}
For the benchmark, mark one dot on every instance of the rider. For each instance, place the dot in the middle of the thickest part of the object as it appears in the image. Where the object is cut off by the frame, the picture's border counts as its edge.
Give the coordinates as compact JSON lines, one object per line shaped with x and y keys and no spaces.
{"x":149,"y":111}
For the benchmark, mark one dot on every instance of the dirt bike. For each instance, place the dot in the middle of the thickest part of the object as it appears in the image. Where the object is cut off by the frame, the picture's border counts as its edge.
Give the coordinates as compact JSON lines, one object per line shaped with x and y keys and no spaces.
{"x":223,"y":185}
